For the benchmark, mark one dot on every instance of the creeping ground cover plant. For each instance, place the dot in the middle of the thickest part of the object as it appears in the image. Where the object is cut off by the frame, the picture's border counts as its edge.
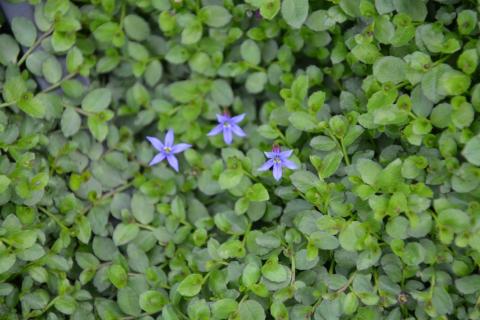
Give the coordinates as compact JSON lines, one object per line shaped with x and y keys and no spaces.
{"x":240,"y":160}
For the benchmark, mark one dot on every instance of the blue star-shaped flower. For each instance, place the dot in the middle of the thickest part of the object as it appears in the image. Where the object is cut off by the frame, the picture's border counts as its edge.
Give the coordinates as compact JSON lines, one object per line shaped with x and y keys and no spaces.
{"x":167,"y":150}
{"x":229,"y":126}
{"x":278,"y":159}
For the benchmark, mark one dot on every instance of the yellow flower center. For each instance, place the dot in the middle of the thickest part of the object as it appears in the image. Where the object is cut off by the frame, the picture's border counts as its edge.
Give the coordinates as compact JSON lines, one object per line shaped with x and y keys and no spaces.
{"x":277,"y":160}
{"x":167,"y":149}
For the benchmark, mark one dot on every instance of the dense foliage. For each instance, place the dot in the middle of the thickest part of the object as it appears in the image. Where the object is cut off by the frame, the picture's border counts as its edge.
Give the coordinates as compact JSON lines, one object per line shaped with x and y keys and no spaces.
{"x":376,"y":215}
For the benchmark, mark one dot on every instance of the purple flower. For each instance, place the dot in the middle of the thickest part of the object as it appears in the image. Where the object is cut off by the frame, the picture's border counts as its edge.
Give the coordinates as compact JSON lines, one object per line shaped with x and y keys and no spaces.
{"x":228,"y":125}
{"x":167,"y":150}
{"x":278,"y":159}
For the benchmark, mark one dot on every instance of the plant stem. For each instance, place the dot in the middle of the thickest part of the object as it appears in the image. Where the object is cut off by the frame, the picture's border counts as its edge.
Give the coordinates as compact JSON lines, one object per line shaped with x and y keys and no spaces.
{"x":345,"y":287}
{"x":34,"y":46}
{"x":7,"y":104}
{"x":344,"y":151}
{"x":54,"y":218}
{"x":282,"y":136}
{"x":83,"y":112}
{"x":59,"y":83}
{"x":108,"y":195}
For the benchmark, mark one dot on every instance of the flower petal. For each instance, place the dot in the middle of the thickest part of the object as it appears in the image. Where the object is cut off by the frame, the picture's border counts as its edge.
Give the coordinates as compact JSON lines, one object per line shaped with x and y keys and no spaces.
{"x":238,"y":118}
{"x":156,"y":143}
{"x":180,"y":147}
{"x":158,"y":158}
{"x":238,"y":131}
{"x":289,"y":164}
{"x":277,"y":171}
{"x":173,"y":162}
{"x":216,"y":130}
{"x":270,"y":155}
{"x":266,"y":166}
{"x":227,"y":135}
{"x":286,"y":154}
{"x":222,"y":118}
{"x":169,"y":137}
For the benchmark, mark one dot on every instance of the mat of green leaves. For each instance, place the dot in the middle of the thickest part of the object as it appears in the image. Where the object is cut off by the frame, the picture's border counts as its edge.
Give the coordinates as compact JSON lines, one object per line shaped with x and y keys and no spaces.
{"x":241,"y":160}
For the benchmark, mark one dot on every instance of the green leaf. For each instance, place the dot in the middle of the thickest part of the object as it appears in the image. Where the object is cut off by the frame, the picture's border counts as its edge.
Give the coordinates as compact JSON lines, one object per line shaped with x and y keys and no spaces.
{"x":466,"y":21}
{"x":416,"y":9}
{"x":453,"y":83}
{"x":304,"y":180}
{"x":269,"y":9}
{"x":192,"y":32}
{"x":274,"y":271}
{"x":4,"y":183}
{"x":320,"y":21}
{"x":125,"y":233}
{"x":191,"y":285}
{"x":52,"y":70}
{"x":389,"y":69}
{"x":251,"y":274}
{"x":142,"y":208}
{"x":441,"y":301}
{"x":414,"y":254}
{"x":62,"y":41}
{"x":230,"y":178}
{"x":351,"y":237}
{"x":97,"y":127}
{"x":323,"y":143}
{"x":366,"y":52}
{"x":257,"y":193}
{"x":215,"y":16}
{"x":222,"y":93}
{"x":136,"y":27}
{"x":70,"y":122}
{"x":106,"y":32}
{"x":251,"y":310}
{"x":468,"y":284}
{"x":468,"y":61}
{"x":74,"y":60}
{"x":185,"y":91}
{"x":118,"y":276}
{"x":295,"y":12}
{"x":9,"y":49}
{"x":128,"y":301}
{"x":7,"y":260}
{"x":330,"y":164}
{"x":24,"y":31}
{"x":32,"y":106}
{"x":454,"y":219}
{"x":97,"y":100}
{"x":223,"y":308}
{"x":256,"y":82}
{"x":472,"y":150}
{"x":65,"y":304}
{"x":303,"y":121}
{"x":250,"y":52}
{"x":152,"y":301}
{"x":14,"y":88}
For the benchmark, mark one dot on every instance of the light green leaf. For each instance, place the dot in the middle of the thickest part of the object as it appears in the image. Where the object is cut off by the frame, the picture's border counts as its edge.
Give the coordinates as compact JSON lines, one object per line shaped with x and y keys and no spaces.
{"x":24,"y":31}
{"x":9,"y":49}
{"x":295,"y":12}
{"x":97,"y":100}
{"x":136,"y":27}
{"x":472,"y":150}
{"x":70,"y":122}
{"x":125,"y":233}
{"x":215,"y":16}
{"x":251,"y":310}
{"x":4,"y":183}
{"x":191,"y":285}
